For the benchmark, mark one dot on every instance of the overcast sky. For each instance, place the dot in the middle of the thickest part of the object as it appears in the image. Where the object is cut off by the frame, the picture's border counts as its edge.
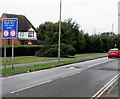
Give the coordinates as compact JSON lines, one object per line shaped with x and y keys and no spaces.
{"x":89,"y":14}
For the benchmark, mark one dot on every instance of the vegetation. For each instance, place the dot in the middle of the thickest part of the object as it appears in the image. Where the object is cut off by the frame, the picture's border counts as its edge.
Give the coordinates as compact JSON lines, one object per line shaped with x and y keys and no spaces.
{"x":73,"y":41}
{"x":52,"y":51}
{"x":88,"y":54}
{"x":72,"y":34}
{"x":27,"y":59}
{"x":21,"y":50}
{"x":39,"y":66}
{"x":31,"y":67}
{"x":32,"y":59}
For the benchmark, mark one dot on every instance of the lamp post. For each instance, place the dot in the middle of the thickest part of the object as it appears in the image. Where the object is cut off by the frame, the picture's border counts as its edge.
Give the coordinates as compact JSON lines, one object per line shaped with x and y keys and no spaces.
{"x":59,"y":31}
{"x":112,"y":29}
{"x":94,"y":30}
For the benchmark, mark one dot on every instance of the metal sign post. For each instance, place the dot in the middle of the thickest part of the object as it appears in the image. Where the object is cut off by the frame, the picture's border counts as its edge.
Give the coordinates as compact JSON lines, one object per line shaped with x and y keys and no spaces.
{"x":9,"y":31}
{"x":5,"y":54}
{"x":12,"y":53}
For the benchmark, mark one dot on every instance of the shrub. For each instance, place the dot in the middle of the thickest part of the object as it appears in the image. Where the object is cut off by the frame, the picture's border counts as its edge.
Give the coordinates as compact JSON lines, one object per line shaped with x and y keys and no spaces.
{"x":42,"y":51}
{"x":52,"y":51}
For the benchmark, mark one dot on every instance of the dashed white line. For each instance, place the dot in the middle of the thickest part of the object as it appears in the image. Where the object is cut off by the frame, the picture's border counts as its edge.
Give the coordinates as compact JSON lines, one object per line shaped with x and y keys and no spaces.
{"x":30,"y":87}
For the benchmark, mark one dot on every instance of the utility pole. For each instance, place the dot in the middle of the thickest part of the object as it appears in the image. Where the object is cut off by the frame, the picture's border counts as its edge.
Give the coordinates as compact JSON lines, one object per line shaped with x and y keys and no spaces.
{"x":94,"y":30}
{"x":112,"y":28}
{"x":59,"y":31}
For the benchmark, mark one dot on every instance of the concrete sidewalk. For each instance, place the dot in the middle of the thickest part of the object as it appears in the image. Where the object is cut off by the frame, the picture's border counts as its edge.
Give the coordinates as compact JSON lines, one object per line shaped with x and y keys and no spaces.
{"x":79,"y":58}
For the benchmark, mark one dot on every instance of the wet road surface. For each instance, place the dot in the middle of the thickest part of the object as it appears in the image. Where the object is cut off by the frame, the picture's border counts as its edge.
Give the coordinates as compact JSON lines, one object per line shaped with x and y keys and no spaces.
{"x":75,"y":80}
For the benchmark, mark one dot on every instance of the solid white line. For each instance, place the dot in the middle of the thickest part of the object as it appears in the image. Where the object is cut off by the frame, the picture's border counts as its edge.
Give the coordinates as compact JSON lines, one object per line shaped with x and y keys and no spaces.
{"x":98,"y":64}
{"x":20,"y":75}
{"x":13,"y":76}
{"x":29,"y":87}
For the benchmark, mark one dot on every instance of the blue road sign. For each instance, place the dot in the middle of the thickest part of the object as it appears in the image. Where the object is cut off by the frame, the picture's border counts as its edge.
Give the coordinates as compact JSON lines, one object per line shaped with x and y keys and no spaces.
{"x":9,"y":28}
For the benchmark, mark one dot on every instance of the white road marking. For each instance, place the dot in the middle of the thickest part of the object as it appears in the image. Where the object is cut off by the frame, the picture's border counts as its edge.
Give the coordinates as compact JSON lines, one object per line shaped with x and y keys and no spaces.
{"x":34,"y":72}
{"x":73,"y":73}
{"x":69,"y":75}
{"x":85,"y":68}
{"x":30,"y":87}
{"x":97,"y":64}
{"x":13,"y":76}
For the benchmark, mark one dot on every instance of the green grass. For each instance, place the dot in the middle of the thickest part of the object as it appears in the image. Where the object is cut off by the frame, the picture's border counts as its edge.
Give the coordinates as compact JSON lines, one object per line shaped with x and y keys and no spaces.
{"x":87,"y":54}
{"x":27,"y":59}
{"x":31,"y":59}
{"x":0,"y":61}
{"x":31,"y":67}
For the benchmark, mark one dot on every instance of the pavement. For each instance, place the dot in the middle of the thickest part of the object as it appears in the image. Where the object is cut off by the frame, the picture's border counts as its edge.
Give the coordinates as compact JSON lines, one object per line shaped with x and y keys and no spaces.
{"x":79,"y":59}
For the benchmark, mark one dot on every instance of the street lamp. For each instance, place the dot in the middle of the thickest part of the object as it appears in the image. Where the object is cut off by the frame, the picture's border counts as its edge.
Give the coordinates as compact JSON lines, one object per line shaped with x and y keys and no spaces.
{"x":59,"y":31}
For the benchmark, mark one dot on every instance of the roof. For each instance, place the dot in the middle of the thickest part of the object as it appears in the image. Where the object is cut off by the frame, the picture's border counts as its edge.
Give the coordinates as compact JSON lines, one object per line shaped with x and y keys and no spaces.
{"x":114,"y":49}
{"x":23,"y":23}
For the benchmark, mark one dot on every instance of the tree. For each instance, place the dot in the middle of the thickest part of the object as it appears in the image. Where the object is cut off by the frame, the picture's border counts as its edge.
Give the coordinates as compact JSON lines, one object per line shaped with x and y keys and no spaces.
{"x":116,"y":41}
{"x":70,"y":34}
{"x":88,"y":43}
{"x":48,"y":33}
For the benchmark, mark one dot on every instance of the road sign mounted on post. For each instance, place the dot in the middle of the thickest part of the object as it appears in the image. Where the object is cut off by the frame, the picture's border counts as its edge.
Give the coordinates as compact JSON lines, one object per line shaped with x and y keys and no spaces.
{"x":9,"y":31}
{"x":9,"y":28}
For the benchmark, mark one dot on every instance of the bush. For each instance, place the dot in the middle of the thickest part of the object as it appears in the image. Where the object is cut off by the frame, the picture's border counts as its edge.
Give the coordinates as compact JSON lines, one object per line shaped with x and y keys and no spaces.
{"x":42,"y":51}
{"x":52,"y":51}
{"x":21,"y":50}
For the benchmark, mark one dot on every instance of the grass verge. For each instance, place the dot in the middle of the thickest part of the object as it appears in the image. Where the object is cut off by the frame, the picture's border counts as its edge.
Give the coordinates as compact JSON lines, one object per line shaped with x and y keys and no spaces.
{"x":32,"y":59}
{"x":87,"y":54}
{"x":32,"y":67}
{"x":27,"y":59}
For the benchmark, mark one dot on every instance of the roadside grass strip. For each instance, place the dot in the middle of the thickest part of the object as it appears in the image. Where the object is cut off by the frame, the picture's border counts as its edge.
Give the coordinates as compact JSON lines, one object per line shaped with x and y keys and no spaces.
{"x":32,"y":59}
{"x":26,"y":59}
{"x":34,"y":67}
{"x":88,"y":54}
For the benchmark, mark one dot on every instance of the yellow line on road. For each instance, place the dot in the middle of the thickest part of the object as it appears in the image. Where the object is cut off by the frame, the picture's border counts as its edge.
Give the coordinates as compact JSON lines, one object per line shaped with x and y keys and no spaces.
{"x":112,"y":88}
{"x":102,"y":90}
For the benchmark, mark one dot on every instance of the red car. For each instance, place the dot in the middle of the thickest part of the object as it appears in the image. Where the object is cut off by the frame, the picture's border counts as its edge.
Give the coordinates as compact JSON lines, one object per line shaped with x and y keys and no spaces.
{"x":114,"y":53}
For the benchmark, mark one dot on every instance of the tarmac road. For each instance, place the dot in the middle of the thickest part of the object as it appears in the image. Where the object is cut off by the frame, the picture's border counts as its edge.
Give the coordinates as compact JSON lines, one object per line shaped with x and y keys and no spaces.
{"x":75,"y":80}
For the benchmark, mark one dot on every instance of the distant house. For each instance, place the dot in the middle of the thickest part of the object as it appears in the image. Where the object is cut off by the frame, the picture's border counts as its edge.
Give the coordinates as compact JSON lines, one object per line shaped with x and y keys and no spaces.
{"x":27,"y":33}
{"x":108,"y":33}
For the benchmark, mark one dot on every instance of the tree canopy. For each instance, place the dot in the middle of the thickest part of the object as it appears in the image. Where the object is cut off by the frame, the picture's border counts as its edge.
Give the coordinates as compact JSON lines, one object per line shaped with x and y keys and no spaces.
{"x":72,"y":34}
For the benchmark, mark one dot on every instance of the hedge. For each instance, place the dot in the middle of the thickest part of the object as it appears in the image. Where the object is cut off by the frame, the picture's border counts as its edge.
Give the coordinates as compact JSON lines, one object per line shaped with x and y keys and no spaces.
{"x":38,"y":50}
{"x":20,"y":50}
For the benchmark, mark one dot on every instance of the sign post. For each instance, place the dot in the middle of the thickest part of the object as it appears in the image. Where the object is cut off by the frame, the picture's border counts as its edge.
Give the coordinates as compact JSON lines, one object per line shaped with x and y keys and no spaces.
{"x":9,"y":31}
{"x":5,"y":55}
{"x":12,"y":53}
